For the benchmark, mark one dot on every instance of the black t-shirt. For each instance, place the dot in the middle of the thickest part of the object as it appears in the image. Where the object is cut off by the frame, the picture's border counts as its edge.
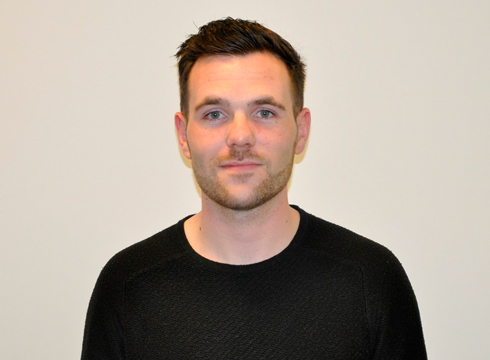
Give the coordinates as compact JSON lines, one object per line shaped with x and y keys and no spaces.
{"x":331,"y":294}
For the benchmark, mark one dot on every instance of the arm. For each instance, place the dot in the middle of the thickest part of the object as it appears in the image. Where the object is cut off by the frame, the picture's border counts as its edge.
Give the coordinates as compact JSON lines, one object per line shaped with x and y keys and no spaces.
{"x":393,"y":313}
{"x":103,"y":337}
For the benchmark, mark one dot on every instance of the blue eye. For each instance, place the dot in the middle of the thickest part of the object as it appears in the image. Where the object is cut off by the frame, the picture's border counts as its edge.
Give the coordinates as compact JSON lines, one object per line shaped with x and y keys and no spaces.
{"x":214,"y":115}
{"x":265,"y":114}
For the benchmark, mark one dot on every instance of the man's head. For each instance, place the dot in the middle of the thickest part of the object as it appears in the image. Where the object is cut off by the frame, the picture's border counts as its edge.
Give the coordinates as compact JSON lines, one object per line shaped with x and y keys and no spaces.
{"x":242,"y":119}
{"x":238,"y":37}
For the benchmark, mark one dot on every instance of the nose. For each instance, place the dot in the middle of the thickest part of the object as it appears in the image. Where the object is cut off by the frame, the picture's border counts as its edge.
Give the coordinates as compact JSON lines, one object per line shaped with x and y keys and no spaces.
{"x":241,"y":133}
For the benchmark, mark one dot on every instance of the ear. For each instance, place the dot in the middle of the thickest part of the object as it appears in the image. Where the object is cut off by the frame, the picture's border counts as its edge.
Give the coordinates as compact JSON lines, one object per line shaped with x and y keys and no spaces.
{"x":303,"y":121}
{"x":181,"y":128}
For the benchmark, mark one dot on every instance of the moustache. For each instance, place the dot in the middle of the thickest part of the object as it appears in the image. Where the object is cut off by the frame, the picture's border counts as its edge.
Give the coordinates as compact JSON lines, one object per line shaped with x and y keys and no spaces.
{"x":240,"y":155}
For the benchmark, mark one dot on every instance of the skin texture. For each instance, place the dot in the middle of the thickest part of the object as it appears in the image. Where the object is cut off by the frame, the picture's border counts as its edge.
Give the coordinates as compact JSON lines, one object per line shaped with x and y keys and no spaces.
{"x":241,"y":135}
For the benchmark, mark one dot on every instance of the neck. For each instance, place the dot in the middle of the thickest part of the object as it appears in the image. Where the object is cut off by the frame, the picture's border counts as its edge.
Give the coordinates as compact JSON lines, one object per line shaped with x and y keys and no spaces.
{"x":242,"y":237}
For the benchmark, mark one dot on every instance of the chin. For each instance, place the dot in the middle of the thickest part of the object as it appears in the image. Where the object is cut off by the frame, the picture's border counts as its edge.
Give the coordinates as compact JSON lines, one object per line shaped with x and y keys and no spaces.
{"x":241,"y":203}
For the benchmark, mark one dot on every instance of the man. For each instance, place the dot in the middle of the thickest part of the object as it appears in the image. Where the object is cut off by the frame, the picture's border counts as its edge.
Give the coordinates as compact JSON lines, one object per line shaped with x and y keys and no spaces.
{"x":249,"y":276}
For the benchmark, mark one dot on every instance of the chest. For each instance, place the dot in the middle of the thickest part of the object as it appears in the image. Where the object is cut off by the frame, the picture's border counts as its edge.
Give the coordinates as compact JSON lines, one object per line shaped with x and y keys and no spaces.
{"x":307,"y":310}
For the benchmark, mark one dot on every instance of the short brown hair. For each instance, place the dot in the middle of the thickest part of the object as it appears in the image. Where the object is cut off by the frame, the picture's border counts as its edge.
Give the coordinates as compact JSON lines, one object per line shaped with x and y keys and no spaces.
{"x":238,"y":37}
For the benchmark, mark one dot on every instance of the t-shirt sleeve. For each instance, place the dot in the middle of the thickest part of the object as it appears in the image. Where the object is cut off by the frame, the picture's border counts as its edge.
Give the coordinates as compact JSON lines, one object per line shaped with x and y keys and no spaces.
{"x":392,"y":312}
{"x":103,"y":336}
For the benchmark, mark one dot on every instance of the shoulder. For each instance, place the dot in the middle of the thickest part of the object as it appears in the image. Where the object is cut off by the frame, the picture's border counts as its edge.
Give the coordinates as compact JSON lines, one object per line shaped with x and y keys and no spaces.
{"x":154,"y":251}
{"x":105,"y":316}
{"x":337,"y":241}
{"x":382,"y":273}
{"x":390,"y":303}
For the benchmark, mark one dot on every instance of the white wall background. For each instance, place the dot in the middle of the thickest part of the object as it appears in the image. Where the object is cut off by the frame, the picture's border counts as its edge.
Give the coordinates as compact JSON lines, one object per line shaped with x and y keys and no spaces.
{"x":89,"y":162}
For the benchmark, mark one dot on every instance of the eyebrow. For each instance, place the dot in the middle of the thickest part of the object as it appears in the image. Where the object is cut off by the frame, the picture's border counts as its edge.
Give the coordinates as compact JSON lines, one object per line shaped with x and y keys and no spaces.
{"x":212,"y":101}
{"x":268,"y":100}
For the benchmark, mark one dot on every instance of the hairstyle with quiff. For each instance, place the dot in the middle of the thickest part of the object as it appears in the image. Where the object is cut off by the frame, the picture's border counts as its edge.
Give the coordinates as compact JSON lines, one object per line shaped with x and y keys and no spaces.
{"x":238,"y":37}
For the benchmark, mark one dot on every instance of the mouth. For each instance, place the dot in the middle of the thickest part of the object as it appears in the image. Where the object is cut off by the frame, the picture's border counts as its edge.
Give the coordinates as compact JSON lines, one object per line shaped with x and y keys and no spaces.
{"x":240,"y":166}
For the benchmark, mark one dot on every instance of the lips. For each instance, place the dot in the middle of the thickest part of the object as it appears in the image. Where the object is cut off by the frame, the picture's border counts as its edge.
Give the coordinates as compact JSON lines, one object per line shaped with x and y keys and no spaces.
{"x":240,"y":166}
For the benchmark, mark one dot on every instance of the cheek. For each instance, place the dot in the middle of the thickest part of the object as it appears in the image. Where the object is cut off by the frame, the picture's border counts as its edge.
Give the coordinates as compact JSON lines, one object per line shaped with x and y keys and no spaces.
{"x":202,"y":146}
{"x":282,"y":141}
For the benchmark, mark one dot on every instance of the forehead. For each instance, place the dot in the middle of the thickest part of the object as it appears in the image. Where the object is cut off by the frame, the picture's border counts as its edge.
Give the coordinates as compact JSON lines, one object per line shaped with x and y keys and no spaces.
{"x":239,"y":77}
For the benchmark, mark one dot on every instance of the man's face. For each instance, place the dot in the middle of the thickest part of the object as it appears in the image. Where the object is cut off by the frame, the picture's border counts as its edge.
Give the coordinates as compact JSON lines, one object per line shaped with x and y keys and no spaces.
{"x":241,"y":133}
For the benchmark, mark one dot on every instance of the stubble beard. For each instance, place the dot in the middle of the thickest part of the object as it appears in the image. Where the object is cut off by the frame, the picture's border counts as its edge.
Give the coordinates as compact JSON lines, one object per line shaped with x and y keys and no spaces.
{"x":267,"y":189}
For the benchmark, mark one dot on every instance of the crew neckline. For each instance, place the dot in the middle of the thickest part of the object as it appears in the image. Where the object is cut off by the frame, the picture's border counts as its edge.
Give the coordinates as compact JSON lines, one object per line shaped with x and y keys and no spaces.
{"x":272,"y":261}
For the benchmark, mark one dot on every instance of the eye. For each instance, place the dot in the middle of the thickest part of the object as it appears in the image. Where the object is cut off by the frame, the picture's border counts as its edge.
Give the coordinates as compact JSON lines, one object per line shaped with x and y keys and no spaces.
{"x":213,"y":115}
{"x":265,"y":114}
